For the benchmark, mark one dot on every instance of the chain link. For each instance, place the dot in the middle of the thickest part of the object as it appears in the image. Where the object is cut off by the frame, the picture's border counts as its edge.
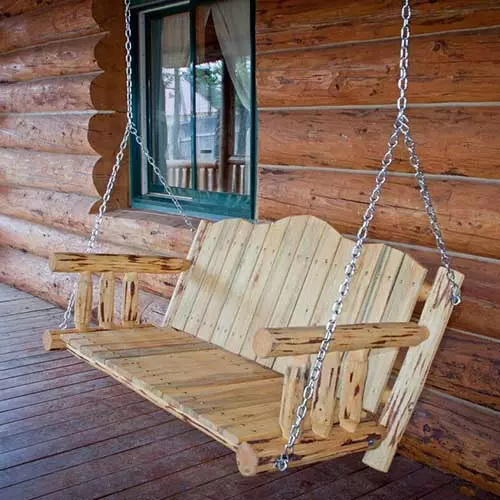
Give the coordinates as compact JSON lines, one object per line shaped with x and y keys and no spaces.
{"x":401,"y":127}
{"x":130,"y":129}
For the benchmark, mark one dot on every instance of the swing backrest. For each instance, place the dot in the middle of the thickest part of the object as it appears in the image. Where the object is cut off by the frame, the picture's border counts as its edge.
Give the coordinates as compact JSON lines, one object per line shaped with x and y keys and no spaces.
{"x":248,"y":276}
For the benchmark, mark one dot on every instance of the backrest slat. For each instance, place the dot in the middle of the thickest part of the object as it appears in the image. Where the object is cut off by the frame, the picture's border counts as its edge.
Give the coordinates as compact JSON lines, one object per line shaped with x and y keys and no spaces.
{"x":288,"y":273}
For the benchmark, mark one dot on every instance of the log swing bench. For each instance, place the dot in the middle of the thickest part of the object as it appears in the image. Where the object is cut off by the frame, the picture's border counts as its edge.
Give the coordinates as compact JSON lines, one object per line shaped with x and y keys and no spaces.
{"x":251,"y":351}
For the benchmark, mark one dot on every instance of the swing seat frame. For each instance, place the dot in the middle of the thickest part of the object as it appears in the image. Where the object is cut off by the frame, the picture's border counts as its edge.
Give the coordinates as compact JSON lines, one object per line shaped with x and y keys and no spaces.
{"x":245,"y":320}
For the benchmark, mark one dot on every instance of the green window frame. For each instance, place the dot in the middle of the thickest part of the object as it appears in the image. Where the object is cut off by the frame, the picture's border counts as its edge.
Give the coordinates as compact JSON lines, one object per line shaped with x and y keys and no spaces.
{"x":146,"y":16}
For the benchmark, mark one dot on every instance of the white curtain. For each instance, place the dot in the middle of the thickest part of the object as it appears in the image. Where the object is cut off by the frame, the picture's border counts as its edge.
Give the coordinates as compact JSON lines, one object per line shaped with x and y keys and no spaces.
{"x":175,"y":41}
{"x":232,"y":25}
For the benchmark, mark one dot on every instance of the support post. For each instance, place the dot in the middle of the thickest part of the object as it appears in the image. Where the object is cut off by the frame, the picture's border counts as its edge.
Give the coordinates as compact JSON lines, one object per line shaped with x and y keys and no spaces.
{"x":83,"y":301}
{"x":296,"y":376}
{"x":130,"y":299}
{"x":324,"y":410}
{"x":106,"y":300}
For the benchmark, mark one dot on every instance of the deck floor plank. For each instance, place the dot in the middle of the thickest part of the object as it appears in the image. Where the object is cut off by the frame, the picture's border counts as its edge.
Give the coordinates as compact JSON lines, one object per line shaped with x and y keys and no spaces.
{"x":68,"y":431}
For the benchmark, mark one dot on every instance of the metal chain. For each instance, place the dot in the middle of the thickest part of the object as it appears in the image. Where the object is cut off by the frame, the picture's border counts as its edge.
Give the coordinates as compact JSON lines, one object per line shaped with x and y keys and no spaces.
{"x":401,"y":126}
{"x":130,"y":129}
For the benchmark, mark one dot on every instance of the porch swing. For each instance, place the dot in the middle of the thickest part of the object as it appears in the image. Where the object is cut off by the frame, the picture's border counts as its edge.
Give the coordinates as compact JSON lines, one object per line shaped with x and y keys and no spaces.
{"x":251,"y":351}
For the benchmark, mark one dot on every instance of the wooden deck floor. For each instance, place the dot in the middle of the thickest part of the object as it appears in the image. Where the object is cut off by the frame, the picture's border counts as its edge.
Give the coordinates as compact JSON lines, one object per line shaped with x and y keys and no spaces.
{"x":69,"y":432}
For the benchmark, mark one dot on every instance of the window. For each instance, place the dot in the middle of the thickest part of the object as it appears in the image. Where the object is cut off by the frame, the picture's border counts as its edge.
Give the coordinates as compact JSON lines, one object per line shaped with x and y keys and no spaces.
{"x":194,"y":105}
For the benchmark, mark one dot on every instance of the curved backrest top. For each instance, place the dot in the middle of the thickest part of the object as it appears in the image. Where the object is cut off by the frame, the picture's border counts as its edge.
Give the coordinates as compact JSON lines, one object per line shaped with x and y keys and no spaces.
{"x":286,"y":273}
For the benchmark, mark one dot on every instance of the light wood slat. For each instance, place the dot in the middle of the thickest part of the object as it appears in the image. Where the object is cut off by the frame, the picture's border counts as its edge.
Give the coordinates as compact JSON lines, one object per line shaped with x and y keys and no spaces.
{"x":259,"y":455}
{"x":296,"y":376}
{"x":196,"y":275}
{"x":413,"y":373}
{"x":130,"y":301}
{"x":355,"y":310}
{"x":106,"y":299}
{"x":399,"y":307}
{"x":101,"y":263}
{"x":83,"y":301}
{"x":294,"y":278}
{"x":248,"y":303}
{"x":224,"y":282}
{"x":275,"y":282}
{"x":355,"y":364}
{"x":193,"y":256}
{"x":232,"y":396}
{"x":239,"y":285}
{"x":207,"y":286}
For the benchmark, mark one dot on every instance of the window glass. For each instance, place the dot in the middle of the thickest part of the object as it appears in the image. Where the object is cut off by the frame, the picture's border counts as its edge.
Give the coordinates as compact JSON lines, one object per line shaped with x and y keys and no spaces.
{"x":200,"y":88}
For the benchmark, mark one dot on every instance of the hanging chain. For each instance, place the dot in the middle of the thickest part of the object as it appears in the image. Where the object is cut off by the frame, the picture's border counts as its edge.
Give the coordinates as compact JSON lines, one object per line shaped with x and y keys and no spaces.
{"x":130,"y":129}
{"x":401,"y":126}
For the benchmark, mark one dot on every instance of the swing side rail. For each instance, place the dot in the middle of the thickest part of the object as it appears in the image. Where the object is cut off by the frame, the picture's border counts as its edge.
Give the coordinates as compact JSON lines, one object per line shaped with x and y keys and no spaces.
{"x":108,"y":266}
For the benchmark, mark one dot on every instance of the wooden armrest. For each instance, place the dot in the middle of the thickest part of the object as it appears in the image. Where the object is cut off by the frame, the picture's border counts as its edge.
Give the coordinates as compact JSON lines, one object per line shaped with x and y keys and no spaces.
{"x":101,"y":263}
{"x":275,"y":342}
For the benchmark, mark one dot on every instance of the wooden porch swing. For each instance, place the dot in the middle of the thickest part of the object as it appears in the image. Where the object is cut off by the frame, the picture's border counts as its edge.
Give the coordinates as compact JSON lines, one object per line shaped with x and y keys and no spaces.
{"x":251,"y":352}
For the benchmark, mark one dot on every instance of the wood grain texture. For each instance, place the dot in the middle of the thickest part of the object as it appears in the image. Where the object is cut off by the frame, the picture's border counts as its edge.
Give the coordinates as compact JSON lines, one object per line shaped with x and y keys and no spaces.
{"x":68,"y":133}
{"x":412,"y":375}
{"x":449,"y":67}
{"x":356,"y":139}
{"x":71,"y":57}
{"x":467,"y":214}
{"x":11,"y":8}
{"x":55,"y":94}
{"x":71,"y":19}
{"x":298,"y":24}
{"x":31,"y":274}
{"x":306,"y":340}
{"x":105,"y":262}
{"x":65,"y":173}
{"x":41,"y":240}
{"x":144,"y":230}
{"x":455,"y":437}
{"x":83,"y":301}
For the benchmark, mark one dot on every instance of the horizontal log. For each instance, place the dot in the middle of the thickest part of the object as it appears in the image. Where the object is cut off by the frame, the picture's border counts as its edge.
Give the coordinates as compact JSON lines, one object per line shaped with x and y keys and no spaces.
{"x":102,"y":263}
{"x":31,"y":274}
{"x":11,"y":8}
{"x":68,"y":133}
{"x":55,"y":94}
{"x":479,"y":311}
{"x":466,"y":366}
{"x":295,"y":23}
{"x":254,"y":458}
{"x":354,"y":139}
{"x":70,"y":19}
{"x":457,"y":67}
{"x":147,"y":231}
{"x":455,"y":437}
{"x":42,"y":241}
{"x":465,"y":209}
{"x":65,"y":173}
{"x":294,"y":341}
{"x":69,"y":57}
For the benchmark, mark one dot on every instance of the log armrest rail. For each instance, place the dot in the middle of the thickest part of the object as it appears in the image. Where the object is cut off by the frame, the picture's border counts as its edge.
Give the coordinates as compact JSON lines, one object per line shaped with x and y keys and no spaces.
{"x":295,"y":341}
{"x":101,"y":263}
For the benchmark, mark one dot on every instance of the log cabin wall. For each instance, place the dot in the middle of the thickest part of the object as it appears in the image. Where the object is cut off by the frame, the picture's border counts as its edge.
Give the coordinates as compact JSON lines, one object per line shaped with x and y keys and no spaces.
{"x":326,"y":74}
